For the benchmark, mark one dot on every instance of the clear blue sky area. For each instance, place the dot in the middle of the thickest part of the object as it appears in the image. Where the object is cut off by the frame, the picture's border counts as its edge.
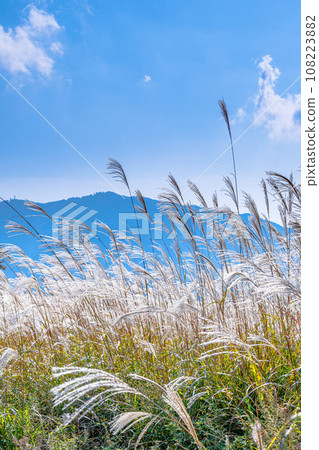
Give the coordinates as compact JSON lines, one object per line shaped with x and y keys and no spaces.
{"x":139,"y":81}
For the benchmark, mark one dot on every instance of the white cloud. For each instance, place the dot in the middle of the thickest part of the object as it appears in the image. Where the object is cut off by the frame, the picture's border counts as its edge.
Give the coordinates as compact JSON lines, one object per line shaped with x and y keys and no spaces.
{"x":28,"y":46}
{"x":239,"y":116}
{"x":41,"y":21}
{"x":56,"y":47}
{"x":147,"y":78}
{"x":282,"y":120}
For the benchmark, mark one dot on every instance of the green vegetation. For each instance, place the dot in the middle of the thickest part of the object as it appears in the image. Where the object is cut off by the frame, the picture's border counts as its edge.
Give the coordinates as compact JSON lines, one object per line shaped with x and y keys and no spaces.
{"x":191,"y":349}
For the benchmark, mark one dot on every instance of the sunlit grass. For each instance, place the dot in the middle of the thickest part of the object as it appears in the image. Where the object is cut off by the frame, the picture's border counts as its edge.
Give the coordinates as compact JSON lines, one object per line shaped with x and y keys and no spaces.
{"x":207,"y":343}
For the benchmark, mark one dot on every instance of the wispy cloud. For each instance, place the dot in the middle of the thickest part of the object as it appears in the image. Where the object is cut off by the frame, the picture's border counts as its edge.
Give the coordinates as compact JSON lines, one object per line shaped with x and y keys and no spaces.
{"x":283,"y":118}
{"x":29,"y":46}
{"x":278,"y":114}
{"x":239,"y":116}
{"x":147,"y":78}
{"x":56,"y":47}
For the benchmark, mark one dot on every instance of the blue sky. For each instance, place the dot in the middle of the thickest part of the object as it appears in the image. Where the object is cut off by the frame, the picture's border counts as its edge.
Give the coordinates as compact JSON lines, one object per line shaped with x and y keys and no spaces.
{"x":139,"y":81}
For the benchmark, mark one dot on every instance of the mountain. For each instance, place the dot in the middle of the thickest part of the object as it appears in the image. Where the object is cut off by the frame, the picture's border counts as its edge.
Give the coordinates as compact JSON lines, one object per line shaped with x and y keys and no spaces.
{"x":107,"y":207}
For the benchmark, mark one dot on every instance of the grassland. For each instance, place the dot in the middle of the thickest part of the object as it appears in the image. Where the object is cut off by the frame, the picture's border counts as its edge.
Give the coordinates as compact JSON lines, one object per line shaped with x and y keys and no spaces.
{"x":192,"y":345}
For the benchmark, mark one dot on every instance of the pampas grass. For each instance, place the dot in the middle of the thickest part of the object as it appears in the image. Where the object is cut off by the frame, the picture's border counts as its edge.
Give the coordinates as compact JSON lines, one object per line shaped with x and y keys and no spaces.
{"x":198,"y":346}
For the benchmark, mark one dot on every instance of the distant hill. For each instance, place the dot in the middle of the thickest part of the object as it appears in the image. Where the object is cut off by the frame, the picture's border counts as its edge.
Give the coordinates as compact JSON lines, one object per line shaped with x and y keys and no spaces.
{"x":102,"y":206}
{"x":105,"y":207}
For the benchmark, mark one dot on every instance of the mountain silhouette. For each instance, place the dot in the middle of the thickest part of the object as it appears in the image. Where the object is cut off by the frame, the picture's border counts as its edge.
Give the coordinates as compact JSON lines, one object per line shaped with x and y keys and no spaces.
{"x":107,"y":207}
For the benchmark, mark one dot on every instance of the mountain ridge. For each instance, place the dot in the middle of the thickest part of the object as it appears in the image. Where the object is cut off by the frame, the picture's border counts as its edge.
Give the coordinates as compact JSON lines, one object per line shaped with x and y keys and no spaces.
{"x":104,"y":206}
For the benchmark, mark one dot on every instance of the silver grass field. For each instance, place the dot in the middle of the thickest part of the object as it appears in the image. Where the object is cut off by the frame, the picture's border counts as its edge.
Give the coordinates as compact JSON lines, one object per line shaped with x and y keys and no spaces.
{"x":195,"y":345}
